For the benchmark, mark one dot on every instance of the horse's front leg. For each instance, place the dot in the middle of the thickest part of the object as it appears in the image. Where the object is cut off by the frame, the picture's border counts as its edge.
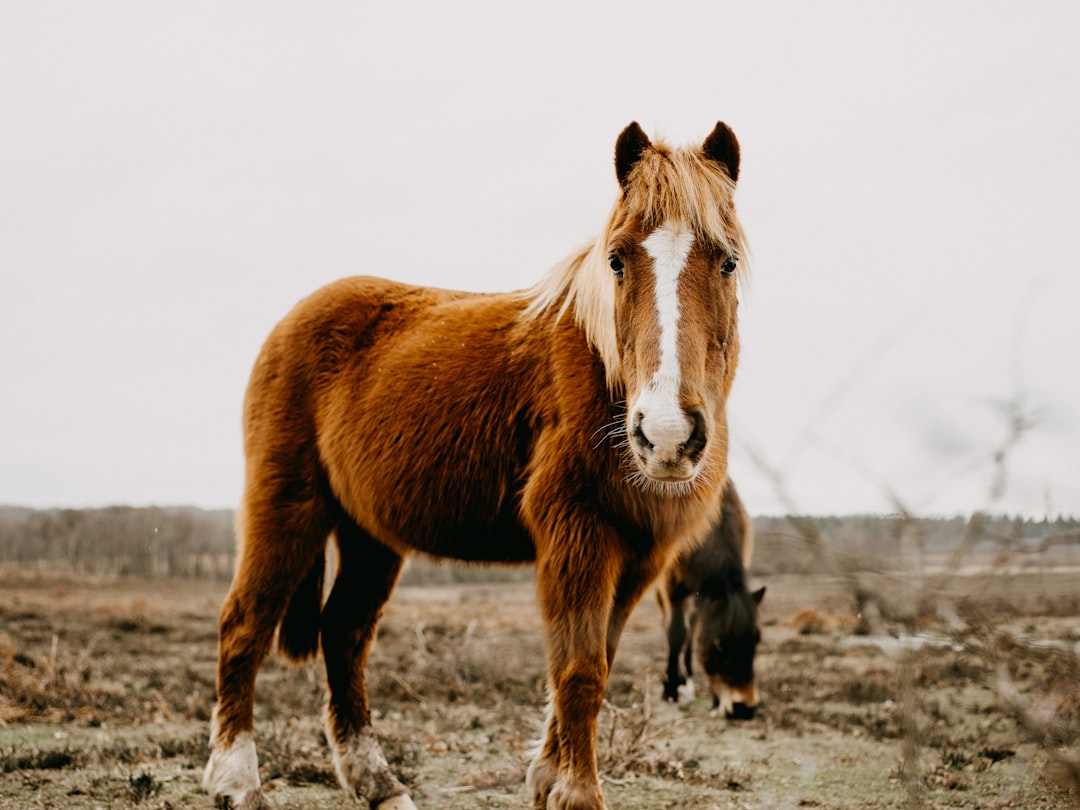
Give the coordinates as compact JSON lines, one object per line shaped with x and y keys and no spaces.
{"x":576,"y":596}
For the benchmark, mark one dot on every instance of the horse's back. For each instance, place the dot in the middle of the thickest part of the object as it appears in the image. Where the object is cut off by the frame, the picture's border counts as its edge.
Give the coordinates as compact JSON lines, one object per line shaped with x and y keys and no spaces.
{"x":323,"y":334}
{"x":339,"y":322}
{"x":338,"y":335}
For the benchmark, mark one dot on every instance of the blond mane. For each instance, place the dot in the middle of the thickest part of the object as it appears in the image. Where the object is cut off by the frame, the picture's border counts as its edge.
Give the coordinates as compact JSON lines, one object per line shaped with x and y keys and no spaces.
{"x":665,"y":185}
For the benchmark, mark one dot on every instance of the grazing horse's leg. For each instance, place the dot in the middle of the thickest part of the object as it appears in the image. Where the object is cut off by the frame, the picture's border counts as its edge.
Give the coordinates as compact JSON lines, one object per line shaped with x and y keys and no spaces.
{"x":280,"y":540}
{"x":688,"y":650}
{"x":576,"y":598}
{"x":366,"y":577}
{"x":677,"y":643}
{"x":636,"y":578}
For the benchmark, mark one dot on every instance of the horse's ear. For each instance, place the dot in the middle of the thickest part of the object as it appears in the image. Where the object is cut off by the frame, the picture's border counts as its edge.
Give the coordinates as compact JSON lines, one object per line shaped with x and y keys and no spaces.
{"x":722,"y":147}
{"x":629,"y":148}
{"x":758,"y":595}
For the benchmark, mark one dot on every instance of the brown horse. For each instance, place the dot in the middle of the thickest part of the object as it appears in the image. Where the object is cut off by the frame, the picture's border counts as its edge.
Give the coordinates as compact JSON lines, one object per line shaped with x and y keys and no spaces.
{"x":579,"y":425}
{"x":711,"y":615}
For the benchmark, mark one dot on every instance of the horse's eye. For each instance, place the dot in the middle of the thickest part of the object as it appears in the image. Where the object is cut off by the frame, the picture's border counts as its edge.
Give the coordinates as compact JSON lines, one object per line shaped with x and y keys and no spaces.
{"x":617,"y":266}
{"x":729,"y":265}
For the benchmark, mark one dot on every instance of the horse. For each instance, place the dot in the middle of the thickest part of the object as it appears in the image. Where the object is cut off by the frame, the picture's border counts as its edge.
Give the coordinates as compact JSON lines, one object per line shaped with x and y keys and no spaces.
{"x":711,"y":615}
{"x":579,"y":425}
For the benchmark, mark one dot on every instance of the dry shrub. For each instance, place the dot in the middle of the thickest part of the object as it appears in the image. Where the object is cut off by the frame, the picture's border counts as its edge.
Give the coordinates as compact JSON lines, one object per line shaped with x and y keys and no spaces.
{"x":873,"y":686}
{"x":448,"y":661}
{"x":33,"y":688}
{"x":812,"y":621}
{"x":38,"y":759}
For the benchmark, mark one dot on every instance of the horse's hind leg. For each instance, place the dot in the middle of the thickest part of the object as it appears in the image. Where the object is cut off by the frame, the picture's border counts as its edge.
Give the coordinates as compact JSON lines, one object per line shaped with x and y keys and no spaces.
{"x":366,"y":577}
{"x":279,"y":544}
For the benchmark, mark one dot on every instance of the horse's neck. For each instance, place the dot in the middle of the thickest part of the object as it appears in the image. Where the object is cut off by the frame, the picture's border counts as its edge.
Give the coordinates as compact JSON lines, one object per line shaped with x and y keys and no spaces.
{"x":580,"y":378}
{"x":718,"y":567}
{"x":579,"y":389}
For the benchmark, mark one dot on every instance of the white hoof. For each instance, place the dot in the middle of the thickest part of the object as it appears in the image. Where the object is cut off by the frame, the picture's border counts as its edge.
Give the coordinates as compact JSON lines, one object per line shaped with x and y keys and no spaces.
{"x":362,"y":769}
{"x":402,"y":802}
{"x":686,"y":692}
{"x":234,"y":772}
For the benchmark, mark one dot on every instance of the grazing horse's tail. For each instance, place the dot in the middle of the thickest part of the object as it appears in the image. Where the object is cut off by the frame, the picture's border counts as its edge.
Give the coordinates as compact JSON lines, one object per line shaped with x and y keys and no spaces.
{"x":298,"y":638}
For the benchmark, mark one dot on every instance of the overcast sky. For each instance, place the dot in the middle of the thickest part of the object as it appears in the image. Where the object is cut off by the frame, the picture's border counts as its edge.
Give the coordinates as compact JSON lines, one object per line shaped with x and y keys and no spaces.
{"x":175,"y":176}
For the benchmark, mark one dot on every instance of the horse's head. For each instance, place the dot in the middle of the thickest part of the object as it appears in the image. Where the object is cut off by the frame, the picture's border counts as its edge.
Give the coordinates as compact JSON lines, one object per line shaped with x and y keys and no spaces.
{"x":725,"y":641}
{"x":673,"y":245}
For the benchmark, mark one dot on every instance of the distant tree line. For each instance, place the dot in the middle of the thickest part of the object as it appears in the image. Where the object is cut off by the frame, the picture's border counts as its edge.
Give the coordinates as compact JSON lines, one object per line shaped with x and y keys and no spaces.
{"x":188,"y":542}
{"x":885,"y":543}
{"x":119,"y":541}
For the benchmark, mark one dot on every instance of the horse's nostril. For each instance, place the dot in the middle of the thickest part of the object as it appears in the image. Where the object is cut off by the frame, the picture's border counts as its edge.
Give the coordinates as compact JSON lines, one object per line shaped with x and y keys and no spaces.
{"x":741,"y":711}
{"x":639,"y":433}
{"x":696,"y":443}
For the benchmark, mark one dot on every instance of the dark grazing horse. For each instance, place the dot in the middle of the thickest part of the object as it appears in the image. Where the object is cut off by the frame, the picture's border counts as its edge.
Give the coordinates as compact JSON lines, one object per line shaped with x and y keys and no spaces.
{"x":579,"y":425}
{"x":711,"y":616}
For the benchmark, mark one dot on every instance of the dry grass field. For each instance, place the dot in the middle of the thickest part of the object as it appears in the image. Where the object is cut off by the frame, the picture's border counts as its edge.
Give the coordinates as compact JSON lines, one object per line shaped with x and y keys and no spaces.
{"x":106,"y":689}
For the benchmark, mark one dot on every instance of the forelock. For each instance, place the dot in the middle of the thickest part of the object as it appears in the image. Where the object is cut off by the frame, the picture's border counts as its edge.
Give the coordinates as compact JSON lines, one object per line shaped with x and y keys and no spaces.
{"x":683,"y":185}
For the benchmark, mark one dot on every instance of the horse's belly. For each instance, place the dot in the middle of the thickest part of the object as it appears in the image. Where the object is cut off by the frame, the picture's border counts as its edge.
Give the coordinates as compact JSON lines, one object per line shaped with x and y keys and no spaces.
{"x":458,"y":519}
{"x":433,"y":485}
{"x":494,"y":544}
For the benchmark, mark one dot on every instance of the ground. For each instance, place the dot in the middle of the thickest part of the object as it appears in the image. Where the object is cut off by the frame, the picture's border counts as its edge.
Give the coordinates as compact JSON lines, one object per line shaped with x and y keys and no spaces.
{"x":106,"y":689}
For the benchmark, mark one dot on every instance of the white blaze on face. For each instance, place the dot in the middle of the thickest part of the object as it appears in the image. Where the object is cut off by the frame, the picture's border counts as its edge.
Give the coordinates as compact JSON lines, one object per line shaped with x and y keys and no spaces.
{"x":669,"y":247}
{"x":663,"y":421}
